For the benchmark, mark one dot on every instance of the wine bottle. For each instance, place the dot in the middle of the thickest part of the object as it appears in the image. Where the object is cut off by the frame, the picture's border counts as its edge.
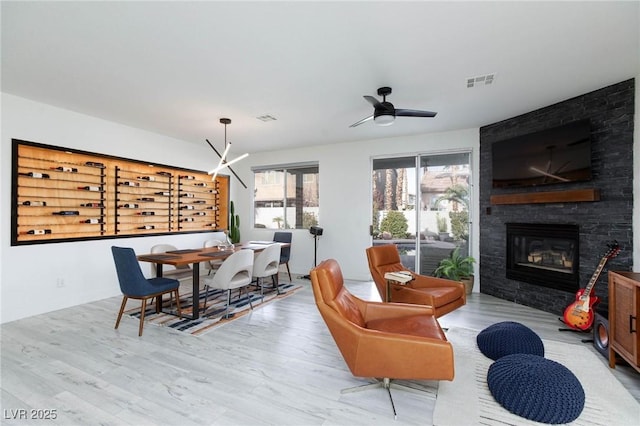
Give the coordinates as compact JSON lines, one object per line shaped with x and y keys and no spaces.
{"x":187,"y":177}
{"x":91,"y":221}
{"x":187,"y":195}
{"x":65,"y":169}
{"x":38,"y":231}
{"x":146,"y":213}
{"x":35,"y":175}
{"x":200,"y":184}
{"x":199,"y":214}
{"x":34,"y":203}
{"x":127,"y":183}
{"x":90,"y":188}
{"x":213,"y":191}
{"x":93,"y":164}
{"x":149,"y":199}
{"x":129,"y":206}
{"x":187,"y":219}
{"x":165,"y":193}
{"x":67,"y":213}
{"x":147,"y":227}
{"x":212,"y":208}
{"x":199,"y":202}
{"x":164,"y":174}
{"x":92,"y":205}
{"x":187,"y":207}
{"x":147,"y":178}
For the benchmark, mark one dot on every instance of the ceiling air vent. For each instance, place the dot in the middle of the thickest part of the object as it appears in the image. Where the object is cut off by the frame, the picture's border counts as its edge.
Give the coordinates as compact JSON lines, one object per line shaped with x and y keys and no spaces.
{"x":266,"y":118}
{"x":480,"y":80}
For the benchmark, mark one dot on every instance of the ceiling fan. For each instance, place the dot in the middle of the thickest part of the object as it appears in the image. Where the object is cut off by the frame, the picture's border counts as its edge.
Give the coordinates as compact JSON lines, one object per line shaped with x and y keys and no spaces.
{"x":384,"y":113}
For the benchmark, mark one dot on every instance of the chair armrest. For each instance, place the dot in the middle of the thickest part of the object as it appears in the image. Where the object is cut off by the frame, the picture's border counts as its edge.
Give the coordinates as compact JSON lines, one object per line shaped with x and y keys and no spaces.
{"x":376,"y":310}
{"x":424,"y":281}
{"x":403,"y":357}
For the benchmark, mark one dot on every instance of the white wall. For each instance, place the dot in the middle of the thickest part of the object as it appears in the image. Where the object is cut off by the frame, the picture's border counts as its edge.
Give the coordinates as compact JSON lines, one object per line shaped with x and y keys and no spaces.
{"x":345,"y":195}
{"x":29,"y":274}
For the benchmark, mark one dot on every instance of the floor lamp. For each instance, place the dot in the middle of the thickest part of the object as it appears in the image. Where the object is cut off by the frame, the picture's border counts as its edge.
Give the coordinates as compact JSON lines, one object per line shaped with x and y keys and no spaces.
{"x":316,"y":231}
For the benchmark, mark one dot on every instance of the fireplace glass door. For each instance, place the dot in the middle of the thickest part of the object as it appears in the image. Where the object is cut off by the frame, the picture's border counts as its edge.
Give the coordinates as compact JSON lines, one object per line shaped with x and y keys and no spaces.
{"x":543,"y":254}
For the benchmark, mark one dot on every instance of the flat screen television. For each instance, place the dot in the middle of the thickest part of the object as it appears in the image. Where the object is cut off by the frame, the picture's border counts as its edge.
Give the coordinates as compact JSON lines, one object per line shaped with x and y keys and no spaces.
{"x":551,"y":156}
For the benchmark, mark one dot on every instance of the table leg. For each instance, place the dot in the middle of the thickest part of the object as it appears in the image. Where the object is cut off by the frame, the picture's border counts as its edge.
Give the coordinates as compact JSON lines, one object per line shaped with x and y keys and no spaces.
{"x":196,"y":291}
{"x":158,"y":298}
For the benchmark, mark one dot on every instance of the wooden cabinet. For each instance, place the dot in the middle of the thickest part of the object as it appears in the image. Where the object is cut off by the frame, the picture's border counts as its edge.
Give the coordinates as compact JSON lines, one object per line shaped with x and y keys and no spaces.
{"x":624,"y":308}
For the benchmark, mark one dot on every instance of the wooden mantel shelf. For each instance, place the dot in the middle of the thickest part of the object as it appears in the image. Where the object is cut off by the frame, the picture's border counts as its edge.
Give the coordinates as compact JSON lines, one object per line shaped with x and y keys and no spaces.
{"x":571,"y":196}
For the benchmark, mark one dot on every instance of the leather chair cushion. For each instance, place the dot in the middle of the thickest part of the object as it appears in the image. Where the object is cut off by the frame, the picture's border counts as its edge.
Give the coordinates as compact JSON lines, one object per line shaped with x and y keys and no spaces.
{"x":509,"y":337}
{"x":444,"y":295}
{"x":347,"y":307}
{"x":536,"y":388}
{"x":413,"y":325}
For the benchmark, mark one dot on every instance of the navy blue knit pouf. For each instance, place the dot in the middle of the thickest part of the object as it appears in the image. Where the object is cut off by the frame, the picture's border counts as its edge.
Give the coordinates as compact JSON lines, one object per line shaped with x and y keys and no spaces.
{"x":536,"y":388}
{"x":508,"y":337}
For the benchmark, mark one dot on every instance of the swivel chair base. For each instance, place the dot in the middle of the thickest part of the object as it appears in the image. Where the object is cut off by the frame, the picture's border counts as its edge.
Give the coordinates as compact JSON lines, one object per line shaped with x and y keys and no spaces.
{"x":385,"y":383}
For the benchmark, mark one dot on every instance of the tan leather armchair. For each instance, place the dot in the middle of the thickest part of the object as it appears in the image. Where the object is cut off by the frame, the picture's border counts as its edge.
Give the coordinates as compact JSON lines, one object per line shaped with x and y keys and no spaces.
{"x":381,"y":340}
{"x":441,"y":294}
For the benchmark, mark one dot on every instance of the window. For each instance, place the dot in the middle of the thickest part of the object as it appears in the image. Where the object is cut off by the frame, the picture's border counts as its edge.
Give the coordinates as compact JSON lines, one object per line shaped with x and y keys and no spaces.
{"x":421,"y":204}
{"x":286,"y":197}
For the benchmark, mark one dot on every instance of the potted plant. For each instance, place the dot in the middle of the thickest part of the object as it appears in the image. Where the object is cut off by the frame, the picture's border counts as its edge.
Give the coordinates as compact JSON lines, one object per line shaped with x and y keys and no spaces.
{"x":457,"y":268}
{"x":234,"y":225}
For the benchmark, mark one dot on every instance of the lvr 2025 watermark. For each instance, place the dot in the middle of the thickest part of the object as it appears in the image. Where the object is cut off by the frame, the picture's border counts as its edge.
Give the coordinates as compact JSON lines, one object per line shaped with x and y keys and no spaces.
{"x":29,"y":414}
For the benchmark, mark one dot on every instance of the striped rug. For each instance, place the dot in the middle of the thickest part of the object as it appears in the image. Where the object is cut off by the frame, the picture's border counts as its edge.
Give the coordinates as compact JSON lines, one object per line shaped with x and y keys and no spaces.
{"x":214,"y":314}
{"x":467,"y":400}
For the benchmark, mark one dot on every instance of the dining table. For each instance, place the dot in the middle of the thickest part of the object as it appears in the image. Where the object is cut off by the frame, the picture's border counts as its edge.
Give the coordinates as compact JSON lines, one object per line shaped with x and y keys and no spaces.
{"x":193,"y":257}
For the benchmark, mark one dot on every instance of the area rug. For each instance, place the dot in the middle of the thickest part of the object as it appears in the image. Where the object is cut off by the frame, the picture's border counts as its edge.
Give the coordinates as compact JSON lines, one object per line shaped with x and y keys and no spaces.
{"x":214,"y":315}
{"x":467,"y":399}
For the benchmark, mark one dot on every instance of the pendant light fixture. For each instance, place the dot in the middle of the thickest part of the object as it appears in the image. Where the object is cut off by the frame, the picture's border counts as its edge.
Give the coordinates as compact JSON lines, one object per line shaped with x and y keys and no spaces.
{"x":223,"y":163}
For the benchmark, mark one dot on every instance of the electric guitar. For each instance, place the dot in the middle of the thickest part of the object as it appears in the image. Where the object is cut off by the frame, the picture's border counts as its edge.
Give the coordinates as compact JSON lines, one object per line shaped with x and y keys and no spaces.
{"x":579,"y":315}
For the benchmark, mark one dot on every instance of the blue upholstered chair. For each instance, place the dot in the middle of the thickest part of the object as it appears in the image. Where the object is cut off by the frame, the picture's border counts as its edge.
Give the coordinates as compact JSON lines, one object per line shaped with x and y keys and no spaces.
{"x":285,"y":252}
{"x":134,"y":285}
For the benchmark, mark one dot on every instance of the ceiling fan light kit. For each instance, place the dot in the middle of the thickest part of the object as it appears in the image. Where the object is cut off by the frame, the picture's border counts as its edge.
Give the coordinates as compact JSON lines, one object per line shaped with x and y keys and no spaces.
{"x":384,"y":119}
{"x":384,"y":113}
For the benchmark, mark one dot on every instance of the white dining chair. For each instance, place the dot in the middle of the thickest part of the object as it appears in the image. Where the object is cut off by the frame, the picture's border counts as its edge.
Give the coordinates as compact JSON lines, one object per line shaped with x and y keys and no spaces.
{"x":266,"y":264}
{"x":234,"y":273}
{"x":213,"y":264}
{"x":181,"y":272}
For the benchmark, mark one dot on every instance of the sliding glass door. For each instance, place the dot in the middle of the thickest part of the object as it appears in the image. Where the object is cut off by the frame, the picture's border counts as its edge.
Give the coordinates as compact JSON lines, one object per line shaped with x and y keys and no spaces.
{"x":421,"y":204}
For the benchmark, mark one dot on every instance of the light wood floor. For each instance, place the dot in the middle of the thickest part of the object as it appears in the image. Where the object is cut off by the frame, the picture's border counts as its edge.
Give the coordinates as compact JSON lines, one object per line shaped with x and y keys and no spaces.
{"x":276,"y":366}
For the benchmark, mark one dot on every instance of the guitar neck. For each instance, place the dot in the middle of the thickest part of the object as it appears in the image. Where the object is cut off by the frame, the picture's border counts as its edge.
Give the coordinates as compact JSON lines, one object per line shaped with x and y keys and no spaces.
{"x":595,"y":276}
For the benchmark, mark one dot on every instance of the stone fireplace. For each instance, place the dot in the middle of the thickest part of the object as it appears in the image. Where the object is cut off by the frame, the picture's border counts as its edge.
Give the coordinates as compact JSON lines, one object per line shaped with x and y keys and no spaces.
{"x":544,"y":254}
{"x":610,"y":111}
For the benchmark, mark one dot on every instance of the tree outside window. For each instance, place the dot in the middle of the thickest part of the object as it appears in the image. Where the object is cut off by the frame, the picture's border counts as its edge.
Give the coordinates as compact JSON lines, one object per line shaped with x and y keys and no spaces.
{"x":286,"y":197}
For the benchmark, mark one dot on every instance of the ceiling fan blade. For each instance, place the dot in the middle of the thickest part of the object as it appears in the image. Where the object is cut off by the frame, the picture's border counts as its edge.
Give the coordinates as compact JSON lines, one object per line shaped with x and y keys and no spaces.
{"x":414,"y":113}
{"x":362,"y":121}
{"x":373,"y":101}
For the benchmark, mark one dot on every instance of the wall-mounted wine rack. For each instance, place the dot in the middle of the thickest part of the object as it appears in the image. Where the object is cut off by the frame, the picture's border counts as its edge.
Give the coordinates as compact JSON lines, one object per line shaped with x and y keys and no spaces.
{"x":69,"y":195}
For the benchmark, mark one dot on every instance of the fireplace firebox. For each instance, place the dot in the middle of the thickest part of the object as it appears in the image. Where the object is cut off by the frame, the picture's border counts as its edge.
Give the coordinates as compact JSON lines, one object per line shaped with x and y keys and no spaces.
{"x":544,"y":254}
